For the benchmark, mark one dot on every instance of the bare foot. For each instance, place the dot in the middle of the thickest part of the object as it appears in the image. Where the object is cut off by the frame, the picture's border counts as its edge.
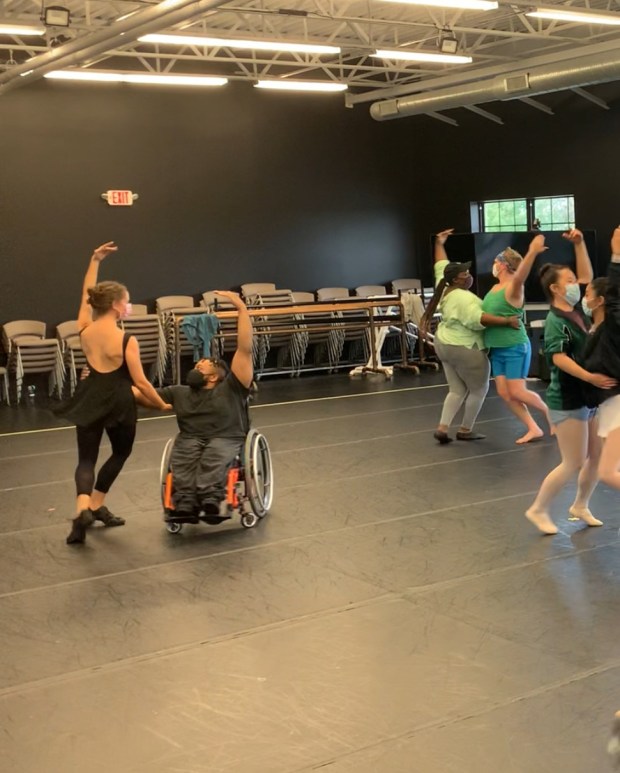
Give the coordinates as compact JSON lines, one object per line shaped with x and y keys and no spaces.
{"x":529,"y":437}
{"x":541,"y":521}
{"x":584,"y":514}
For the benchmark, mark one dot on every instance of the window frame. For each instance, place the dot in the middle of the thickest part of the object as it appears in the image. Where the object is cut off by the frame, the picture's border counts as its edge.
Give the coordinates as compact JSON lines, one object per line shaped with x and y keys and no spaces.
{"x":477,"y":213}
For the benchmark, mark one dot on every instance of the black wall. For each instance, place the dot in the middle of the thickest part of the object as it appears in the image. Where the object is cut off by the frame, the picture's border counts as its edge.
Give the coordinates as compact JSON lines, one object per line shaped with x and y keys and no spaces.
{"x":238,"y":185}
{"x":533,"y":154}
{"x":235,"y":186}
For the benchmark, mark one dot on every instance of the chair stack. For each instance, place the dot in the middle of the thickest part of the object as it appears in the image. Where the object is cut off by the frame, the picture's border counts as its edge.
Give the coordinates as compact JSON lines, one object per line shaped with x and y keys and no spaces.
{"x":29,"y":352}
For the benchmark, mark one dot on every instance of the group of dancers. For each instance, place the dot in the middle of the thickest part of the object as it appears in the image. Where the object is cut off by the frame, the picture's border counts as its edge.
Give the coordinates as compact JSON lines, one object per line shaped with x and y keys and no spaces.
{"x":479,"y":337}
{"x":475,"y":338}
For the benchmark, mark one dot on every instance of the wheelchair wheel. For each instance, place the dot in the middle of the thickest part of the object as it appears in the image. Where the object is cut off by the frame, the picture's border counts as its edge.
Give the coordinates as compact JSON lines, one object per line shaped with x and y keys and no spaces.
{"x":165,"y":467}
{"x":249,"y":520}
{"x":173,"y":528}
{"x":258,"y":473}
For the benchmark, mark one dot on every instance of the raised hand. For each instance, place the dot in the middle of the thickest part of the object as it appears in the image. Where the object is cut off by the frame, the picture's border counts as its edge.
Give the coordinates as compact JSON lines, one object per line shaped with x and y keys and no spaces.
{"x":537,"y":245}
{"x":574,"y":236}
{"x":230,"y":296}
{"x":602,"y":381}
{"x":103,"y":251}
{"x":442,"y":236}
{"x":615,"y":241}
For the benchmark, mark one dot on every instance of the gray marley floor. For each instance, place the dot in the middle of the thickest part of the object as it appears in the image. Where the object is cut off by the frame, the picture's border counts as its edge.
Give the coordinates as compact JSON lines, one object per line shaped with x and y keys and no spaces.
{"x":395,"y":613}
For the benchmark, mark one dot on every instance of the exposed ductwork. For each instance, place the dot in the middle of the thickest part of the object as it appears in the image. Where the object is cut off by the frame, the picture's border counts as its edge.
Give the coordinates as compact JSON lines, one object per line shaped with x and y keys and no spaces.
{"x":584,"y":70}
{"x":81,"y":49}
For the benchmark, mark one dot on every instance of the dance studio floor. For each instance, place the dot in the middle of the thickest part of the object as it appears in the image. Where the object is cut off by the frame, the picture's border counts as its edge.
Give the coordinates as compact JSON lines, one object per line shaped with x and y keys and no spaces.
{"x":395,"y":613}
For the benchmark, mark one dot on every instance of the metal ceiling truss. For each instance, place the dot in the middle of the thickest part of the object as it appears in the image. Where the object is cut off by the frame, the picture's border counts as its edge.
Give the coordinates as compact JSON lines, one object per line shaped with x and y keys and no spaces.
{"x":103,"y":34}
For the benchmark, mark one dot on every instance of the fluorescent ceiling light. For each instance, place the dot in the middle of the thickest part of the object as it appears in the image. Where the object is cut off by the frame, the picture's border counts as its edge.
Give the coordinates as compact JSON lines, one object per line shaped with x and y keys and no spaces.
{"x":21,"y":29}
{"x":253,"y":45}
{"x":301,"y":85}
{"x":468,"y":5}
{"x":566,"y":13}
{"x":123,"y":77}
{"x":423,"y":56}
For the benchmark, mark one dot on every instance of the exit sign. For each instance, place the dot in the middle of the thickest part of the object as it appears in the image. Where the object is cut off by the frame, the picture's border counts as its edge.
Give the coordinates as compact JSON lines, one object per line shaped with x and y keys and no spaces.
{"x":120,"y":198}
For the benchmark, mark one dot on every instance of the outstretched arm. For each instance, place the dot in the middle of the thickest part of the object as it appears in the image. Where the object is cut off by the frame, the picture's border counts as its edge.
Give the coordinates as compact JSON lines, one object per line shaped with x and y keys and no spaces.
{"x":514,"y":294}
{"x":241,"y":365}
{"x":440,"y":240}
{"x":583,"y":267}
{"x":132,"y":356}
{"x":84,"y":315}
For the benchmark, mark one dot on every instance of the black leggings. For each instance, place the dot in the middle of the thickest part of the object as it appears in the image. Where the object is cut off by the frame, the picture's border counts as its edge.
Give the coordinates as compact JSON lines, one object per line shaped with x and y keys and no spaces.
{"x":89,"y":440}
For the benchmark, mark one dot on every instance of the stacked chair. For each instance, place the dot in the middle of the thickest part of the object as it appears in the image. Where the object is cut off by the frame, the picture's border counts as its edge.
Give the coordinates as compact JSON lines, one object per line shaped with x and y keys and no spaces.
{"x":73,"y":357}
{"x":29,"y":352}
{"x":291,"y":346}
{"x":166,"y":307}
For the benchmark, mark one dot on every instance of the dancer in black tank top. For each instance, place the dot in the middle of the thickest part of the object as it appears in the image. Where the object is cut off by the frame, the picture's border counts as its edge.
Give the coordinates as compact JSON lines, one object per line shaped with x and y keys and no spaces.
{"x":104,"y":400}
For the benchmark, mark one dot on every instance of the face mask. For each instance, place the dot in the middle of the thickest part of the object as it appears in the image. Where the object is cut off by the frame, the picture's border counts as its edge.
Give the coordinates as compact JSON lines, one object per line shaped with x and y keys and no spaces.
{"x":586,"y":309}
{"x":128,"y":311}
{"x":495,"y":270}
{"x":195,"y":379}
{"x":467,"y":283}
{"x":572,"y":294}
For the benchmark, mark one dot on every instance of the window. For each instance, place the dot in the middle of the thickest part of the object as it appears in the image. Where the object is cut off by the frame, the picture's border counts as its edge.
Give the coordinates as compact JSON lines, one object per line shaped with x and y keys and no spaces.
{"x":550,"y":213}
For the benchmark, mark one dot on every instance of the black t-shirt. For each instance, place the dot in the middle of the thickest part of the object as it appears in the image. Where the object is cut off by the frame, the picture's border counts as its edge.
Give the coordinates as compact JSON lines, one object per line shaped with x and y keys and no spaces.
{"x":208,"y":413}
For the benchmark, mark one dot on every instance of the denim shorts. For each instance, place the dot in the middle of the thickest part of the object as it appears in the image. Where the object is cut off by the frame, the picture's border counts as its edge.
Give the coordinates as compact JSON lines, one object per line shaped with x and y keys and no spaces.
{"x":581,"y":414}
{"x":512,"y":362}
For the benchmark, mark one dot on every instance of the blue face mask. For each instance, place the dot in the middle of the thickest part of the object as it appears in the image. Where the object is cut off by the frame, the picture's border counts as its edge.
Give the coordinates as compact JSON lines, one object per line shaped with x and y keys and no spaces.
{"x":573,"y":294}
{"x":586,"y":309}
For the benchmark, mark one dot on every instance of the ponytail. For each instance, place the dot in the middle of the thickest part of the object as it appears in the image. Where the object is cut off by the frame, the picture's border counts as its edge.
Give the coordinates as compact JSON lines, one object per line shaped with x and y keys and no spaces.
{"x":432,"y":307}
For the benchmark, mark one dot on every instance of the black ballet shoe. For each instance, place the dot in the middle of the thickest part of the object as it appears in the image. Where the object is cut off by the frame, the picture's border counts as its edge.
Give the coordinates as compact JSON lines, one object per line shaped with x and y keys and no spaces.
{"x":442,"y":437}
{"x":107,"y":518}
{"x":470,"y":436}
{"x":77,"y":535}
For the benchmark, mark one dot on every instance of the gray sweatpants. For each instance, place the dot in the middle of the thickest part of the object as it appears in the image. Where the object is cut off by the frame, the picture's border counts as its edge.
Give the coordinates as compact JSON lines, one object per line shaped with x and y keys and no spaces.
{"x":199,"y":469}
{"x":468,"y":372}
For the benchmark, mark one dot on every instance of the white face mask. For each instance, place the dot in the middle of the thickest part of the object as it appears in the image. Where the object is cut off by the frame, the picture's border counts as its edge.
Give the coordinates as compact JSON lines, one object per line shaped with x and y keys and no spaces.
{"x":586,"y":309}
{"x":495,"y":270}
{"x":572,"y":293}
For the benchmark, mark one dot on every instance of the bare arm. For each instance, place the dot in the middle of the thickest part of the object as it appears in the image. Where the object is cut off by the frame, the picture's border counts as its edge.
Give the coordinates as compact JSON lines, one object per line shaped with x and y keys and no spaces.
{"x":565,"y":363}
{"x":242,"y":365}
{"x":583,"y":267}
{"x":440,"y":240}
{"x":132,"y":356}
{"x":84,"y":314}
{"x":491,"y":320}
{"x":514,"y":292}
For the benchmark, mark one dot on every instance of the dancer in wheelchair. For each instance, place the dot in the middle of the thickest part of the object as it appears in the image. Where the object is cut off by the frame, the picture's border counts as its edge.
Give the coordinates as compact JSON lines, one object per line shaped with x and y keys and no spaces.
{"x":212,"y":414}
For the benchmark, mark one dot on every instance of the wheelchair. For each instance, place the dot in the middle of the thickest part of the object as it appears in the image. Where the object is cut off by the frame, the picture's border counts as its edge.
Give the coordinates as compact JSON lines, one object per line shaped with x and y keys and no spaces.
{"x":249,"y":484}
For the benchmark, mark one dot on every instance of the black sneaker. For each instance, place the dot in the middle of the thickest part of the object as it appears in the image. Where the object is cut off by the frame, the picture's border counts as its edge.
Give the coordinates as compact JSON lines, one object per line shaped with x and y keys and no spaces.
{"x":107,"y":518}
{"x":470,"y":436}
{"x":77,"y":535}
{"x":442,"y":437}
{"x":182,"y":516}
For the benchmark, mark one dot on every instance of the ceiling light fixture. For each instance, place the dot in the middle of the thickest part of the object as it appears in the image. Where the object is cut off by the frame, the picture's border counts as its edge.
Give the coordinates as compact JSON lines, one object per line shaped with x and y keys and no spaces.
{"x":423,"y":56}
{"x":301,"y":85}
{"x":574,"y":14}
{"x":467,"y":5}
{"x":56,"y":16}
{"x":21,"y":29}
{"x":252,"y":45}
{"x":147,"y":78}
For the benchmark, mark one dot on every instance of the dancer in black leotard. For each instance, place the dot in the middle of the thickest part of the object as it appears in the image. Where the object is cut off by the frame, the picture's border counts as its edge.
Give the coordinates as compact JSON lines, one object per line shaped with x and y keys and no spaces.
{"x":104,"y":400}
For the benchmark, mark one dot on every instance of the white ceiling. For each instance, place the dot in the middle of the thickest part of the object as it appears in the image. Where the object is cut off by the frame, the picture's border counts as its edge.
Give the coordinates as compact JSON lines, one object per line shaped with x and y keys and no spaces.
{"x":503,"y":39}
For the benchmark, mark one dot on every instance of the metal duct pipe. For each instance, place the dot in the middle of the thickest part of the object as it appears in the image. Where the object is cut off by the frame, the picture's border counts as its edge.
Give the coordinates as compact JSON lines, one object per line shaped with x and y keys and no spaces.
{"x":78,"y":50}
{"x":580,"y":71}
